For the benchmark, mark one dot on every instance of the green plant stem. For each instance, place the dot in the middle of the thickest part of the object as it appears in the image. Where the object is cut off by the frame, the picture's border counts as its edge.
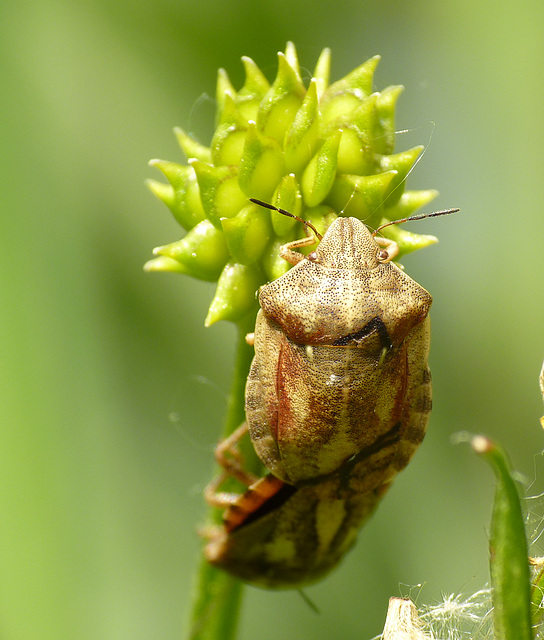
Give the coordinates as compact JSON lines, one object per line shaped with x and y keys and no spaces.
{"x":217,"y":596}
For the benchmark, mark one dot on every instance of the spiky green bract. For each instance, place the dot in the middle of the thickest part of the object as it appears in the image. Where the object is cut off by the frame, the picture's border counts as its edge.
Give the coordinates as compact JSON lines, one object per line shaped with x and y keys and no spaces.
{"x":319,"y":152}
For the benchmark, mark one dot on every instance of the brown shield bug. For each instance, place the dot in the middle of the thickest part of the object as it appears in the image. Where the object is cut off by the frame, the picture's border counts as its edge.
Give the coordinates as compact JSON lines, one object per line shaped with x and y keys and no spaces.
{"x":337,"y":401}
{"x":341,"y":345}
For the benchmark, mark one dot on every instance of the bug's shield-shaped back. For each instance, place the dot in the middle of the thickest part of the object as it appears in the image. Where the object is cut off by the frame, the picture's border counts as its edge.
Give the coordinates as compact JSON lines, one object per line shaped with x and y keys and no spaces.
{"x":340,"y":345}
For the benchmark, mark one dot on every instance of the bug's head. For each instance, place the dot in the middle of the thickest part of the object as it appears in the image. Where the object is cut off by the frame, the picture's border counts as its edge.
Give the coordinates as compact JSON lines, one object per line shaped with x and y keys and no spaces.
{"x":348,"y":244}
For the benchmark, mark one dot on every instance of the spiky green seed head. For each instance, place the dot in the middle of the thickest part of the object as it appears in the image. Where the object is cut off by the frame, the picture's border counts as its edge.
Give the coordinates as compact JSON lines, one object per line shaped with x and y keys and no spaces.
{"x":318,"y":152}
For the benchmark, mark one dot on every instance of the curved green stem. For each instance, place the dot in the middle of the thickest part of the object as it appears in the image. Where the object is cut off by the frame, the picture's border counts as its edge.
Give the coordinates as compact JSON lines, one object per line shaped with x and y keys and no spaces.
{"x":217,"y":596}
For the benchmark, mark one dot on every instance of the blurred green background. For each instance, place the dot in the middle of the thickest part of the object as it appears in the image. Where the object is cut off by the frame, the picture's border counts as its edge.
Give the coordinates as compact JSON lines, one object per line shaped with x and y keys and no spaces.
{"x":113,"y":392}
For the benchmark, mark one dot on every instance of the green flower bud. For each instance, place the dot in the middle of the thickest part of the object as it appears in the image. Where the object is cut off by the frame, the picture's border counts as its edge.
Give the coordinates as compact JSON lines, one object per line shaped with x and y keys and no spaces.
{"x":407,"y":240}
{"x":302,"y":136}
{"x":163,"y":263}
{"x":356,"y":153}
{"x":361,"y":196}
{"x":322,"y":72}
{"x":321,"y":217}
{"x":235,"y":293}
{"x":402,"y":163}
{"x":320,"y":173}
{"x":219,"y":191}
{"x":344,"y":96}
{"x":223,"y":89}
{"x":191,"y":148}
{"x":273,"y":264}
{"x":262,"y":165}
{"x":281,"y":103}
{"x":318,"y":153}
{"x":386,"y":102}
{"x":202,"y":253}
{"x":255,"y":87}
{"x":230,"y":136}
{"x":182,"y":196}
{"x":409,"y":202}
{"x":292,"y":58}
{"x":247,"y":234}
{"x":289,"y":198}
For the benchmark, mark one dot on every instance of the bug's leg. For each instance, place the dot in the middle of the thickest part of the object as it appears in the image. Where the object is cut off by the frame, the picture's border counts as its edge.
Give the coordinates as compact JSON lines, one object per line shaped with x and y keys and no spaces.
{"x":287,"y":251}
{"x":391,"y":248}
{"x":248,"y":503}
{"x":228,"y":457}
{"x":219,"y":499}
{"x":238,"y":507}
{"x":250,"y":339}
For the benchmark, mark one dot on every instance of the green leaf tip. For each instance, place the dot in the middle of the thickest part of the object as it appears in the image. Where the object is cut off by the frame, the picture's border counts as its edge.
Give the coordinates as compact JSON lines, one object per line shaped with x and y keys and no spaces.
{"x":509,"y":563}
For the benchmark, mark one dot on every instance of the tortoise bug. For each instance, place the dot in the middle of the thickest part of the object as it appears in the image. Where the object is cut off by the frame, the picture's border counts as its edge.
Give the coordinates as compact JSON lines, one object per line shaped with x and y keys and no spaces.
{"x":337,"y":401}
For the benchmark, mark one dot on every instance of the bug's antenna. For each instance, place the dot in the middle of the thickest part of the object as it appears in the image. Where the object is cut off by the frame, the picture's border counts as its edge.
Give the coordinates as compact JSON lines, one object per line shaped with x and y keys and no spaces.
{"x":286,"y":213}
{"x":419,"y":216}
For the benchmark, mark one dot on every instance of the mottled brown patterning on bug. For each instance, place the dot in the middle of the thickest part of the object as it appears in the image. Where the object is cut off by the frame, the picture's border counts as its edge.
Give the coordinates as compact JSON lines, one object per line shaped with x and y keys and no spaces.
{"x":340,"y":342}
{"x":299,"y":541}
{"x":337,"y":401}
{"x":301,"y":535}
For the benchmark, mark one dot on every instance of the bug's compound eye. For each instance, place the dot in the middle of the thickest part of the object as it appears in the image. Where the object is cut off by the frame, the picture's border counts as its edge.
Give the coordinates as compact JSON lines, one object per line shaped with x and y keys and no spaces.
{"x":383,"y":255}
{"x":312,"y":257}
